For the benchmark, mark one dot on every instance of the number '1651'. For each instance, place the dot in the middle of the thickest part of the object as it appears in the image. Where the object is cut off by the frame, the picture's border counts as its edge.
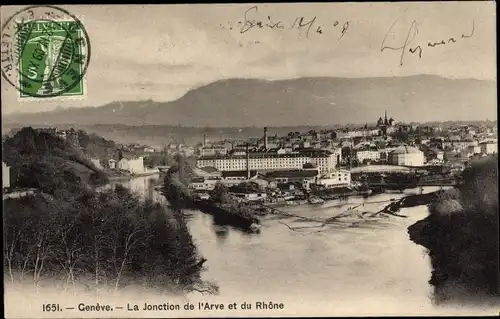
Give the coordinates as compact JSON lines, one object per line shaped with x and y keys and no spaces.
{"x":51,"y":307}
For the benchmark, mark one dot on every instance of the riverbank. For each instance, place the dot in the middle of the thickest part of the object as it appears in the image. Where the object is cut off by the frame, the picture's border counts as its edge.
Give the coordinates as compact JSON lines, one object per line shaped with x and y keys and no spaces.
{"x":411,"y":201}
{"x":334,"y":268}
{"x":461,"y":234}
{"x":224,"y":216}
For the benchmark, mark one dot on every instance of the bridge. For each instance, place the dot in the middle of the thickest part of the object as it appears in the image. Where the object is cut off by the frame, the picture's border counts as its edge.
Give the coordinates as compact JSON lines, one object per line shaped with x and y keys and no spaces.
{"x":421,"y":185}
{"x":415,"y":184}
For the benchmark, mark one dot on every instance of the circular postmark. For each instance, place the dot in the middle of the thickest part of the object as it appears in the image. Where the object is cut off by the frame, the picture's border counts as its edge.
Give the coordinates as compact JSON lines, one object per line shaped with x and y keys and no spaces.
{"x":45,"y":52}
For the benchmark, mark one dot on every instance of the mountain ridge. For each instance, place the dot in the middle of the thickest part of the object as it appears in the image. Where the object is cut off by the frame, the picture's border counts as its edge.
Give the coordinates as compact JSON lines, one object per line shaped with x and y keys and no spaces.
{"x":315,"y":101}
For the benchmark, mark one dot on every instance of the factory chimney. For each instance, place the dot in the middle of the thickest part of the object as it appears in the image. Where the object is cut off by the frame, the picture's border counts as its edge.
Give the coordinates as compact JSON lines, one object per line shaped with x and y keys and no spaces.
{"x":265,"y":138}
{"x":204,"y":140}
{"x":248,"y":162}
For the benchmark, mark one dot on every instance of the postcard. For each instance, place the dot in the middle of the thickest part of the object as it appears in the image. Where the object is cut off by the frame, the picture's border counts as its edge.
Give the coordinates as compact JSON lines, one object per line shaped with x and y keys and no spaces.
{"x":250,"y":160}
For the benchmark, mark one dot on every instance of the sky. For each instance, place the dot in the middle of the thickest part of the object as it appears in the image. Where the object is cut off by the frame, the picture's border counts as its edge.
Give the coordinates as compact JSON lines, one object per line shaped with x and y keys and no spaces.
{"x":160,"y":52}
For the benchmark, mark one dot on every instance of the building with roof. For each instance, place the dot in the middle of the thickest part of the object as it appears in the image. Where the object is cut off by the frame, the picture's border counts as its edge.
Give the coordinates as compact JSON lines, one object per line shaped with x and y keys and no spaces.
{"x":459,"y":145}
{"x":365,"y":132}
{"x":385,"y":125}
{"x":405,"y":155}
{"x":474,"y":149}
{"x":380,"y":169}
{"x":130,"y":163}
{"x":228,"y":178}
{"x":369,"y":154}
{"x":304,"y":177}
{"x":209,"y":185}
{"x":238,"y":175}
{"x":336,"y":178}
{"x":212,"y":150}
{"x":207,"y":172}
{"x":324,"y":160}
{"x":489,"y":147}
{"x":111,"y":163}
{"x":433,"y":154}
{"x":96,"y":162}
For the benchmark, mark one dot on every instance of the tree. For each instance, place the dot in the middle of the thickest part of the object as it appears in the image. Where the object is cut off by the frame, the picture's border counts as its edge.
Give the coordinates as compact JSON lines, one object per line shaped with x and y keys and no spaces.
{"x":346,"y":151}
{"x":246,"y":187}
{"x":402,"y":136}
{"x":220,"y":193}
{"x":176,"y":192}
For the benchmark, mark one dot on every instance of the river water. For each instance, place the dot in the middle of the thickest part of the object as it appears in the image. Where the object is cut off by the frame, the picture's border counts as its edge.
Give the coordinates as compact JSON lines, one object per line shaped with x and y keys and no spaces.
{"x":353,"y":267}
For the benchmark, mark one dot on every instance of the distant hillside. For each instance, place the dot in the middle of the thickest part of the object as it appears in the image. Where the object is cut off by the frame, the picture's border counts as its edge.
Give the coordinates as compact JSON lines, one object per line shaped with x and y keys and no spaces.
{"x":42,"y":160}
{"x":161,"y":135}
{"x":304,"y":101}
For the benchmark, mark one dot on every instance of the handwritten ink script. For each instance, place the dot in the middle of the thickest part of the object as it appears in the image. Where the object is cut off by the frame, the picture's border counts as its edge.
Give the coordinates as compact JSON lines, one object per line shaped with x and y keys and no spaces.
{"x":310,"y":25}
{"x":406,"y":46}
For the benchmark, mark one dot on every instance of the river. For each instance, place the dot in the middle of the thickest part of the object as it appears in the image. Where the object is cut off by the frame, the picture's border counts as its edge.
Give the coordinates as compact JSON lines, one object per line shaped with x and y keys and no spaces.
{"x":360,"y":268}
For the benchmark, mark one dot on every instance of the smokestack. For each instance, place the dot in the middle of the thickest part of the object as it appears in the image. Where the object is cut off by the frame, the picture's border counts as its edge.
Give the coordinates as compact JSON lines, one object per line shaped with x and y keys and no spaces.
{"x":248,"y":162}
{"x":204,"y":139}
{"x":265,"y":137}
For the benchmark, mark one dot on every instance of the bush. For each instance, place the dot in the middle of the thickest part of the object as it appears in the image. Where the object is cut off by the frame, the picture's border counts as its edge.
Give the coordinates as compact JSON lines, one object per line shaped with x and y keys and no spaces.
{"x":447,"y":207}
{"x":447,"y":203}
{"x":220,"y":194}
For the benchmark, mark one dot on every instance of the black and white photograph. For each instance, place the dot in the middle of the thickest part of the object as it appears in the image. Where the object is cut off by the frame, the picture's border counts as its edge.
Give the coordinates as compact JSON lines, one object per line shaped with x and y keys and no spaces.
{"x":250,"y":160}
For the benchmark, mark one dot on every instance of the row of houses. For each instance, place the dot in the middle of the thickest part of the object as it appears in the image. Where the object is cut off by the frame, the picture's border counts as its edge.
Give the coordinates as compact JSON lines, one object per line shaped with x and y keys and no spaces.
{"x":411,"y":156}
{"x":325,"y":161}
{"x":289,"y":144}
{"x":208,"y":177}
{"x":228,"y":148}
{"x":132,"y":164}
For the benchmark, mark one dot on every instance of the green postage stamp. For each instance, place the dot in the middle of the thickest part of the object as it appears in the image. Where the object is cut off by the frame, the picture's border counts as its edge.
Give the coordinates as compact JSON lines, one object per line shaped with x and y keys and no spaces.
{"x":49,"y":53}
{"x":52,"y":63}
